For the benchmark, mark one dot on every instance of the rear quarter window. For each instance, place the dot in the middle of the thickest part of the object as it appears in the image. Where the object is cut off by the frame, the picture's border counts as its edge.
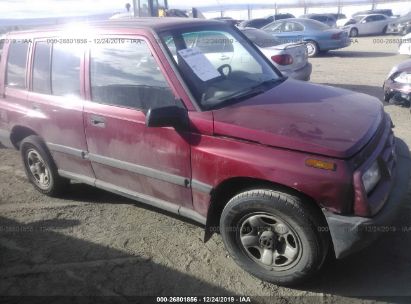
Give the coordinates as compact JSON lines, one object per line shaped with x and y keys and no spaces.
{"x":16,"y":65}
{"x":65,"y":69}
{"x":41,"y":68}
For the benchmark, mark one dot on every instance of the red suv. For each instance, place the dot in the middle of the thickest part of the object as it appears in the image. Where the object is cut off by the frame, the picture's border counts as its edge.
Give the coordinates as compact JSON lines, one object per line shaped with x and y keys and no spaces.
{"x":159,"y":111}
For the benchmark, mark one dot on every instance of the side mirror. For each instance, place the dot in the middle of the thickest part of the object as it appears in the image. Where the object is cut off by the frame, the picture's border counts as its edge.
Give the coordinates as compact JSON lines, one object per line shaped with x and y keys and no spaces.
{"x":171,"y":116}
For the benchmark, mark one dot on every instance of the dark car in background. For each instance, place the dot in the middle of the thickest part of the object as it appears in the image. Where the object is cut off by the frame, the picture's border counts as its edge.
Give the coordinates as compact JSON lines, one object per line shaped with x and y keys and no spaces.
{"x":386,"y":12}
{"x":397,"y":86}
{"x":323,"y":18}
{"x":279,"y":17}
{"x":254,"y":23}
{"x":338,"y":16}
{"x":228,"y":20}
{"x":401,"y":26}
{"x":260,"y":22}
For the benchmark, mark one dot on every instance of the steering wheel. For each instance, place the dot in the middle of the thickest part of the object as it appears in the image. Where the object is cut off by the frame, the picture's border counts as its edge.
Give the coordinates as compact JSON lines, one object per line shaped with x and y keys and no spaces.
{"x":225,"y":70}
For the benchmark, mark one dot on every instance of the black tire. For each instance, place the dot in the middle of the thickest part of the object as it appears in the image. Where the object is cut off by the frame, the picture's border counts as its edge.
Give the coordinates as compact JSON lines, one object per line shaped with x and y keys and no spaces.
{"x":354,"y":32}
{"x":312,"y":48}
{"x":54,"y":185}
{"x":384,"y":30}
{"x":301,"y":220}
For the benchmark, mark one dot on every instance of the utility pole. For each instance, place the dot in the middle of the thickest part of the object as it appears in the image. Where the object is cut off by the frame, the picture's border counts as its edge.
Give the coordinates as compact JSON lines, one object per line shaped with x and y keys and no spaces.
{"x":136,"y":8}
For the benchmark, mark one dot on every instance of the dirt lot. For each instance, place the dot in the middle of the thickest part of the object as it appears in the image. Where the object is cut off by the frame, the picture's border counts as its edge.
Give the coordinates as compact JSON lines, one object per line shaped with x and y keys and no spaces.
{"x":96,"y":243}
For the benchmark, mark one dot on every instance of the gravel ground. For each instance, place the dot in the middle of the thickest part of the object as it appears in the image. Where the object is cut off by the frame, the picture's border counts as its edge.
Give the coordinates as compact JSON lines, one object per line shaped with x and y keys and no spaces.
{"x":95,"y":243}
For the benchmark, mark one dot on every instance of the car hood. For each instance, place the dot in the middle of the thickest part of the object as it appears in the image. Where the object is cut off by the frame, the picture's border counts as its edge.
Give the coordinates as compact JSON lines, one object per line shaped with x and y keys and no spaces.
{"x":303,"y":116}
{"x":402,"y":67}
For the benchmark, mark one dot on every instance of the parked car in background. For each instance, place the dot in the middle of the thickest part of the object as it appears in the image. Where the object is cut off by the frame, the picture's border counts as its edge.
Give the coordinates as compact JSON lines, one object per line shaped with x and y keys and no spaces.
{"x":405,"y":45}
{"x":386,"y":12}
{"x":397,"y":86}
{"x":254,"y":23}
{"x":260,"y":22}
{"x":368,"y":25}
{"x":401,"y":26}
{"x":323,"y":18}
{"x":317,"y":36}
{"x":338,"y":16}
{"x":282,"y":16}
{"x":228,"y":20}
{"x":291,"y":58}
{"x":288,"y":172}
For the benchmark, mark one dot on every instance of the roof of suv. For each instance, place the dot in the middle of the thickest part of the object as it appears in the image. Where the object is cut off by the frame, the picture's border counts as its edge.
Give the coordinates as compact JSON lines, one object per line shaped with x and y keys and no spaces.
{"x":154,"y":23}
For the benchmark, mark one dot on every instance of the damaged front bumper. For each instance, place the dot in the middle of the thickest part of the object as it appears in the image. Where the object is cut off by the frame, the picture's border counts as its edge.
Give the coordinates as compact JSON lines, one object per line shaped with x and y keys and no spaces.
{"x":352,"y":233}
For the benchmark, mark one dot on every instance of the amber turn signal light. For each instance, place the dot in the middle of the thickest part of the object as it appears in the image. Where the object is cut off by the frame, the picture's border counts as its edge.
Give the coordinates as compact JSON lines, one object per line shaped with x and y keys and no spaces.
{"x":319,"y":164}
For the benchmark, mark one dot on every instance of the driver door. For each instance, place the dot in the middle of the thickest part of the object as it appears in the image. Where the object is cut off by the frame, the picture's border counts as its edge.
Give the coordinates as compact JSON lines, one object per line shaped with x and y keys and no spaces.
{"x":148,"y":164}
{"x":367,"y":25}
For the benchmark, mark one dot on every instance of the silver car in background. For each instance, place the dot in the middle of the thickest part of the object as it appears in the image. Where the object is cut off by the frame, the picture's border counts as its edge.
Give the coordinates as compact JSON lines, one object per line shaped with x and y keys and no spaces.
{"x":290,"y":58}
{"x":367,"y":25}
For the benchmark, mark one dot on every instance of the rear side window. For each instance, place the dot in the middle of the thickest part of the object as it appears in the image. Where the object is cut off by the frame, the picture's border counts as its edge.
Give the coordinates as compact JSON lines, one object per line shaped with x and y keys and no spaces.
{"x":65,"y":69}
{"x":16,"y":65}
{"x":127,"y":75}
{"x":41,"y":68}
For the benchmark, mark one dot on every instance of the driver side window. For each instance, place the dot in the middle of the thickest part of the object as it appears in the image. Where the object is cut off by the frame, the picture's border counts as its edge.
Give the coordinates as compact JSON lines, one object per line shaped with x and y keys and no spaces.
{"x":275,"y":27}
{"x":292,"y":27}
{"x":127,"y":75}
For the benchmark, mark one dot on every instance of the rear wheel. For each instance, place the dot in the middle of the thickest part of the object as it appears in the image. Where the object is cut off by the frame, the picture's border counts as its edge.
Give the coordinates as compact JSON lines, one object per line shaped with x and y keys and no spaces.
{"x":40,"y":167}
{"x":274,"y":236}
{"x":312,"y":48}
{"x":353,"y":32}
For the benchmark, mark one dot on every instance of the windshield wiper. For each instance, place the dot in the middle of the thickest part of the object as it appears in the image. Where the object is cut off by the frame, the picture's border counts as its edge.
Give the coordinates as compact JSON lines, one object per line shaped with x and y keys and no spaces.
{"x":250,"y":92}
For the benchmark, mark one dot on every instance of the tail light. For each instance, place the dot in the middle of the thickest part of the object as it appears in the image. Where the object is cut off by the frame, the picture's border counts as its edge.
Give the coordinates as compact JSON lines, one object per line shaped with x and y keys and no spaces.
{"x":283,"y":59}
{"x":336,"y":36}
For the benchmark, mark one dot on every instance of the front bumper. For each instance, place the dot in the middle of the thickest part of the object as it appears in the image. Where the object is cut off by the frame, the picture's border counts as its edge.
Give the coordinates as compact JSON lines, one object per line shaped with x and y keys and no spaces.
{"x":302,"y":74}
{"x":352,"y":233}
{"x":394,"y":89}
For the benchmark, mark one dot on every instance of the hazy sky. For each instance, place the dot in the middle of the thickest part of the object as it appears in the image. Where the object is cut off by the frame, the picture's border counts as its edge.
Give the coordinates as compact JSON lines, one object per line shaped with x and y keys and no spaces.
{"x":48,"y":8}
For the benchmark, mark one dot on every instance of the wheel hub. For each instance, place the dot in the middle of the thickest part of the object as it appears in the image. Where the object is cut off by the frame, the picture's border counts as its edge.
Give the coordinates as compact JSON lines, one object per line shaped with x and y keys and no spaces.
{"x":267,"y":240}
{"x":270,"y":241}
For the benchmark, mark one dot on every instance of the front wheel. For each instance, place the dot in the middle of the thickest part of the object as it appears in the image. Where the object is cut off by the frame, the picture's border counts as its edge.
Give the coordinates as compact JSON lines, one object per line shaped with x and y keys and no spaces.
{"x":274,"y":236}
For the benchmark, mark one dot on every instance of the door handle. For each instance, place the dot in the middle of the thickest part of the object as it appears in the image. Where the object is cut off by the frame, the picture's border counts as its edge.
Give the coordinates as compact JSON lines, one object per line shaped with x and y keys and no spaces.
{"x":223,"y":57}
{"x":98,"y":121}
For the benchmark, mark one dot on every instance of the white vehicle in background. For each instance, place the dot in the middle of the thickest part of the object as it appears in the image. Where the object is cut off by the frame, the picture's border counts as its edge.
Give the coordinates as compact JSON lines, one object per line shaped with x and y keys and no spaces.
{"x":405,"y":45}
{"x":290,"y":58}
{"x":368,"y":25}
{"x":344,"y":22}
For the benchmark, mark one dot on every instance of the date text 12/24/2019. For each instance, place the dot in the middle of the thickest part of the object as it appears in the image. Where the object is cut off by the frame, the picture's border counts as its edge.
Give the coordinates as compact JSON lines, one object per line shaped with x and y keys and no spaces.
{"x":206,"y":299}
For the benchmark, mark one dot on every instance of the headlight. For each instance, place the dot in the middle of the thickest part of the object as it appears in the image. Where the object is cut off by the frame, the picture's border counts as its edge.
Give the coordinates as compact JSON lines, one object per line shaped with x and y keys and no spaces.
{"x":371,"y":177}
{"x":404,"y":77}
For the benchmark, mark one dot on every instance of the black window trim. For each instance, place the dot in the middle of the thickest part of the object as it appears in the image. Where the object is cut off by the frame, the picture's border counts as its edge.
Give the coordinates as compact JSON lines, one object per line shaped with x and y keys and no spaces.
{"x":32,"y":57}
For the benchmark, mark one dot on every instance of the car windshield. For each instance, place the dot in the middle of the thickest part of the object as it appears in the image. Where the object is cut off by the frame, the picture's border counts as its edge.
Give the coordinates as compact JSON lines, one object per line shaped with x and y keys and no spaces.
{"x":261,"y":38}
{"x":219,"y":65}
